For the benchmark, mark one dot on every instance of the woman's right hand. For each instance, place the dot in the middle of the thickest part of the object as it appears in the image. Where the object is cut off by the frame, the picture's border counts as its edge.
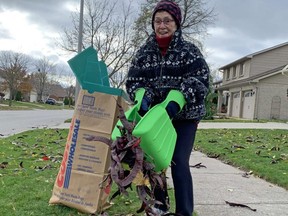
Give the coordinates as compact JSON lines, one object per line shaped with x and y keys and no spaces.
{"x":145,"y":104}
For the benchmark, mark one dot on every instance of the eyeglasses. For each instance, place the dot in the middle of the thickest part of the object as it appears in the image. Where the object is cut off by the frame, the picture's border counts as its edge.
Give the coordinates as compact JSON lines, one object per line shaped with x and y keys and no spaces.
{"x":165,"y":21}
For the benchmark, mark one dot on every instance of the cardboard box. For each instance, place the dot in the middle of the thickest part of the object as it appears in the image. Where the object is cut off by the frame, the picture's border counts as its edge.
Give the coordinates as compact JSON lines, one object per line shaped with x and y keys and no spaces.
{"x":85,"y":163}
{"x":79,"y":183}
{"x":83,"y":192}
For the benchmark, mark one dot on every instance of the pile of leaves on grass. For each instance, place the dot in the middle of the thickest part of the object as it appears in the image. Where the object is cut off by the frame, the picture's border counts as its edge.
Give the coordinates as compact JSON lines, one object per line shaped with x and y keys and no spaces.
{"x":130,"y":166}
{"x":263,"y":153}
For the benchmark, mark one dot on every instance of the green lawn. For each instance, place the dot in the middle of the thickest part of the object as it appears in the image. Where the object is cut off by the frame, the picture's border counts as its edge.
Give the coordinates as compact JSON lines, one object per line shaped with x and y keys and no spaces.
{"x":18,"y":105}
{"x":265,"y":152}
{"x":27,"y":181}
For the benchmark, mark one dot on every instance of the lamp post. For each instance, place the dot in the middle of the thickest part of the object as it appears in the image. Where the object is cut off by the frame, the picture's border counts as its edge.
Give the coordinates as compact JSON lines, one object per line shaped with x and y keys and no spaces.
{"x":80,"y":37}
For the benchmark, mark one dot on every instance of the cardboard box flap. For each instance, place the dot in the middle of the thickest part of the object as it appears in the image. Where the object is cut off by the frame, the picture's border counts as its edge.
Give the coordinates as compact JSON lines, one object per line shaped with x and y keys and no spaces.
{"x":79,"y":62}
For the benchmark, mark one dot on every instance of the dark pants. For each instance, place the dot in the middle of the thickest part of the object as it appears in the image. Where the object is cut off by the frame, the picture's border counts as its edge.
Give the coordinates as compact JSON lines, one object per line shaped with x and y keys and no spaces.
{"x":181,"y":175}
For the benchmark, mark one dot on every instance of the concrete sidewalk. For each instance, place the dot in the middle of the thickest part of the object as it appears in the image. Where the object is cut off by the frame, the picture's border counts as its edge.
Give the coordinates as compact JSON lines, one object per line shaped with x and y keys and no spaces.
{"x":219,"y":182}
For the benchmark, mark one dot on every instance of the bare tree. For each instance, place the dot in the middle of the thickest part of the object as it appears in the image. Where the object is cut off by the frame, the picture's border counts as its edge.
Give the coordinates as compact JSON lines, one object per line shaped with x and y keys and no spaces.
{"x":68,"y":80}
{"x":196,"y":17}
{"x":44,"y":69}
{"x":13,"y":68}
{"x":26,"y":87}
{"x":108,"y":28}
{"x":70,"y":94}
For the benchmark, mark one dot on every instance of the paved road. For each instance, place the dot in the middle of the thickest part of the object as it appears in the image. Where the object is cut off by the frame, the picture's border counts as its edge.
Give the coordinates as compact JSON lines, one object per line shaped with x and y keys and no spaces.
{"x":12,"y":122}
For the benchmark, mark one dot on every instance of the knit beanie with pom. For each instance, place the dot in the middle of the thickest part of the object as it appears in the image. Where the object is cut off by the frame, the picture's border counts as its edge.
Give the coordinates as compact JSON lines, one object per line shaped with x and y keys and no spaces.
{"x":172,"y":8}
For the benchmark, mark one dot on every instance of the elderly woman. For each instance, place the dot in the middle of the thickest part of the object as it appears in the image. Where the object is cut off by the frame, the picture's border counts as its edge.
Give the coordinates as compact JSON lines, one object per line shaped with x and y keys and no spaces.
{"x":166,"y":61}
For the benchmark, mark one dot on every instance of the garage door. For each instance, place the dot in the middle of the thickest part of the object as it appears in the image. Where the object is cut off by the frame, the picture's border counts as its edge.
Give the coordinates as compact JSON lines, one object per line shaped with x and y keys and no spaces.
{"x":236,"y":104}
{"x":248,"y":105}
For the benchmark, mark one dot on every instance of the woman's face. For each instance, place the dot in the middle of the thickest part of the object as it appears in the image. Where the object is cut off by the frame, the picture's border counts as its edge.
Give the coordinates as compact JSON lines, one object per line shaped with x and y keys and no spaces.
{"x":164,"y":24}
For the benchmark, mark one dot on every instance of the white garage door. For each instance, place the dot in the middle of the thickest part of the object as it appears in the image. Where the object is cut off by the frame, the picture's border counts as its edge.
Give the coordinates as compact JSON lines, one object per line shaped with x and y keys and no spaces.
{"x":236,"y":104}
{"x":248,"y":105}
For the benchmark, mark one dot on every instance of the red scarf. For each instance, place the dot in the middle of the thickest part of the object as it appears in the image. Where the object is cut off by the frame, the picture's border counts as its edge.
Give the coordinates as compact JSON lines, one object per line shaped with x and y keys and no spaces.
{"x":163,"y":44}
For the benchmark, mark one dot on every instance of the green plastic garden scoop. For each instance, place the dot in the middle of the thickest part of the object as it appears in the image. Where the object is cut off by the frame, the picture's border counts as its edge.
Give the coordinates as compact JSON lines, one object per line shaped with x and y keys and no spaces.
{"x":155,"y":128}
{"x":158,"y":136}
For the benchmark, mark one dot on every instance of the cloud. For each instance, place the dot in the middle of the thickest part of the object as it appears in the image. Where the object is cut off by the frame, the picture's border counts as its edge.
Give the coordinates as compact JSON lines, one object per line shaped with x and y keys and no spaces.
{"x":244,"y":27}
{"x":33,"y":26}
{"x":48,"y":14}
{"x":23,"y":35}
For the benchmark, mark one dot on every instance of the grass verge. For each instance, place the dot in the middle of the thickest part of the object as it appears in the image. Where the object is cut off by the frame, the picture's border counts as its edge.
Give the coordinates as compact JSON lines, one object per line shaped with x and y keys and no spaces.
{"x":19,"y":105}
{"x":264,"y":152}
{"x":29,"y":163}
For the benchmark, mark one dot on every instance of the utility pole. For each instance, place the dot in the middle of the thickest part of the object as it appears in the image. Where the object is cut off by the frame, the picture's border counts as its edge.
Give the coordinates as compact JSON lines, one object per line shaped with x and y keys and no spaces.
{"x":80,"y":37}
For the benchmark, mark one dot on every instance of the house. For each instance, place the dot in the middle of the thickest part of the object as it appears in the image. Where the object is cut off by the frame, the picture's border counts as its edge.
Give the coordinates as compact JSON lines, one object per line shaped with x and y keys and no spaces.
{"x":57,"y":92}
{"x":53,"y":90}
{"x":256,"y":86}
{"x":3,"y":92}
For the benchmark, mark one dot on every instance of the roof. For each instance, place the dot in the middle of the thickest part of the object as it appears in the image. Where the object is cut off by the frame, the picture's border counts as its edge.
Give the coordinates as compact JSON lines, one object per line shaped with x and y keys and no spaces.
{"x":255,"y":78}
{"x":250,"y":56}
{"x":57,"y":90}
{"x":285,"y":70}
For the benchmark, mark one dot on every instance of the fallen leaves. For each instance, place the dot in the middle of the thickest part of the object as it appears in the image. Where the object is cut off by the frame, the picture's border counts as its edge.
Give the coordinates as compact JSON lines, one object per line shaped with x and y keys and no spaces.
{"x":27,"y":153}
{"x":239,"y":205}
{"x":275,"y":148}
{"x":247,"y":174}
{"x":284,"y":156}
{"x":45,"y":158}
{"x":213,"y":155}
{"x":198,"y":165}
{"x":250,"y":139}
{"x":140,"y":179}
{"x":3,"y":165}
{"x":212,"y":141}
{"x":39,"y":168}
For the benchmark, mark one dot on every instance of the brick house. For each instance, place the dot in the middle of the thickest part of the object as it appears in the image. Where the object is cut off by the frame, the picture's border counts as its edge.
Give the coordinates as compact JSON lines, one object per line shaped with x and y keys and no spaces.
{"x":256,"y":86}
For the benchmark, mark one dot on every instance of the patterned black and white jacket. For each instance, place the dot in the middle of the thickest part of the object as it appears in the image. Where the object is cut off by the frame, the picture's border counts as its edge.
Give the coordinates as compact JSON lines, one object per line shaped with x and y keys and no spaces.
{"x":182,"y":68}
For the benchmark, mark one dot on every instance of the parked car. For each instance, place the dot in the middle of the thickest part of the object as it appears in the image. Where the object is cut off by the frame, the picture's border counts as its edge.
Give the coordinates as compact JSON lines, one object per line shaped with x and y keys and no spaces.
{"x":50,"y":101}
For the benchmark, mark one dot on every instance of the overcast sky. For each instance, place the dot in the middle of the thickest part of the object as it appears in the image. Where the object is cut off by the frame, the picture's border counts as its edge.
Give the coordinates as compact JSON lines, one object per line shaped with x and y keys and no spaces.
{"x":242,"y":27}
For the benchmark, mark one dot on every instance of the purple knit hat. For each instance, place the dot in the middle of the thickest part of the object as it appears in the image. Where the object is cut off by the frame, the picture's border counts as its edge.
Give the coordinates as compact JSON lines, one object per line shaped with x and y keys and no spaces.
{"x":172,"y":8}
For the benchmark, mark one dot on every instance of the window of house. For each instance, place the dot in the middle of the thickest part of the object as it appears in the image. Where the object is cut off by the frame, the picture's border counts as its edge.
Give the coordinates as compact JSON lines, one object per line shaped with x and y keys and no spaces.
{"x":248,"y":94}
{"x":227,"y":74}
{"x":236,"y":95}
{"x":241,"y":71}
{"x":234,"y":72}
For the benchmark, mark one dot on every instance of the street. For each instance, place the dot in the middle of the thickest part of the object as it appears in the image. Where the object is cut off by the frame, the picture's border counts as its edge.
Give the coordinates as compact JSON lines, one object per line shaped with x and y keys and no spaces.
{"x":12,"y":122}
